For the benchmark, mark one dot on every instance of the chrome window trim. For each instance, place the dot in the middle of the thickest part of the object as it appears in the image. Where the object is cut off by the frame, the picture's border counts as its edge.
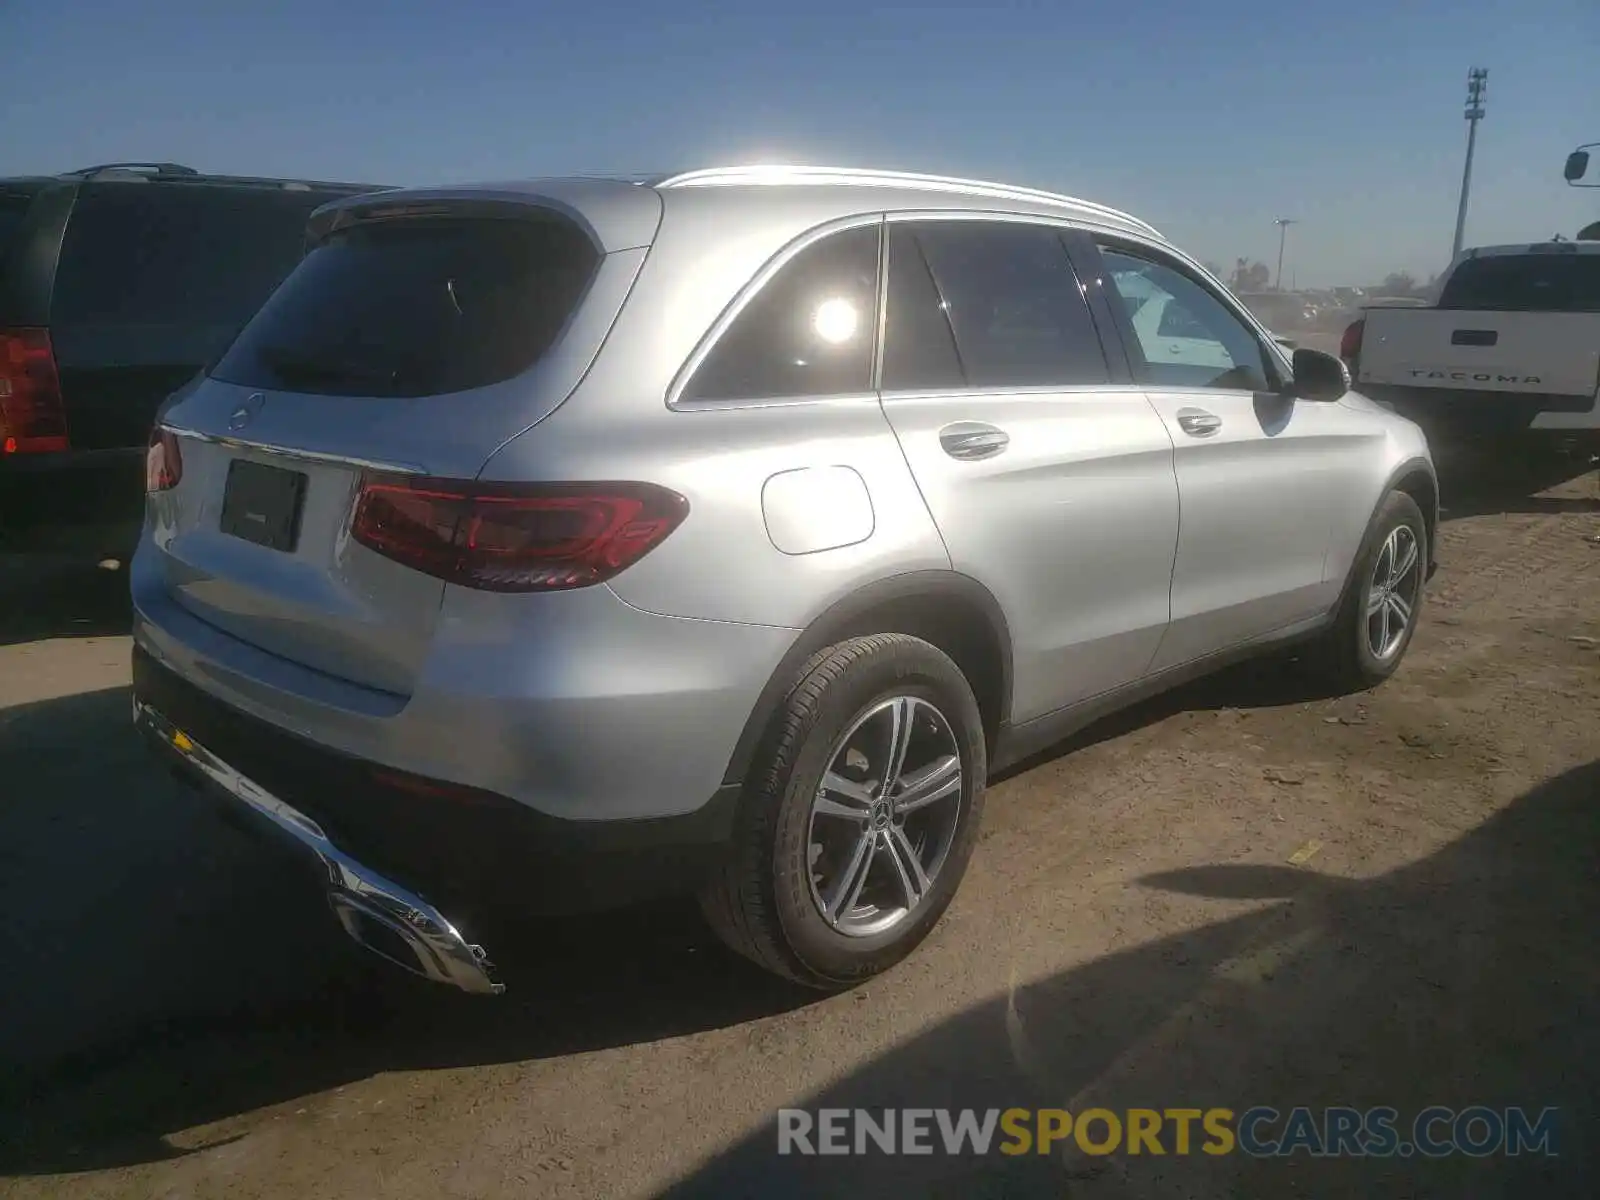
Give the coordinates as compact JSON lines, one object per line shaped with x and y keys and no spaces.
{"x":1042,"y":391}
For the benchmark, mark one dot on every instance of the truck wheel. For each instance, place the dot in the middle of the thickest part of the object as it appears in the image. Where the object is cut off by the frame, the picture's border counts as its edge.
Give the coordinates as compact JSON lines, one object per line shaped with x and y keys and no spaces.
{"x":1382,"y":600}
{"x":859,"y":817}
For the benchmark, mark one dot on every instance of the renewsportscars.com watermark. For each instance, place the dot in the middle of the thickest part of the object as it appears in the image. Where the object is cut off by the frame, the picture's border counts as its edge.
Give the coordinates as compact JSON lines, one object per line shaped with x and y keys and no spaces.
{"x":1336,"y":1132}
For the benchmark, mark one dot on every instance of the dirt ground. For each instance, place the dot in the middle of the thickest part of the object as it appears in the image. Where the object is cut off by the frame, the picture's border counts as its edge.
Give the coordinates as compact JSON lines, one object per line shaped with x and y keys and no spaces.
{"x":1245,"y":893}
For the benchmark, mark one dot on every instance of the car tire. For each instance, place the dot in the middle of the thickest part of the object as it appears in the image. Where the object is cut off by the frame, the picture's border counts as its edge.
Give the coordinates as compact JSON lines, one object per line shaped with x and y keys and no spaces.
{"x":1363,"y":648}
{"x":817,"y":829}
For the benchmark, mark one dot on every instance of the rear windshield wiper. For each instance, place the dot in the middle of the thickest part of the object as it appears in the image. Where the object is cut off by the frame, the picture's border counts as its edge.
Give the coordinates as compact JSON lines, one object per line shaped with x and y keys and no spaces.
{"x":296,"y":367}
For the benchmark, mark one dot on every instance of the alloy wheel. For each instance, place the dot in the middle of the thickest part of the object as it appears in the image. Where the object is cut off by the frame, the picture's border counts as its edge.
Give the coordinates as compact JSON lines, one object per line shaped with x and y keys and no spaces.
{"x":1392,"y":591}
{"x":884,"y":816}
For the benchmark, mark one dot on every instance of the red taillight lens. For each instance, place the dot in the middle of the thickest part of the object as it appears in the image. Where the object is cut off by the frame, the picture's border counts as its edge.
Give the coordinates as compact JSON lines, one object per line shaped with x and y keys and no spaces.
{"x":33,"y":419}
{"x":163,"y":461}
{"x":1350,"y":343}
{"x":513,"y":537}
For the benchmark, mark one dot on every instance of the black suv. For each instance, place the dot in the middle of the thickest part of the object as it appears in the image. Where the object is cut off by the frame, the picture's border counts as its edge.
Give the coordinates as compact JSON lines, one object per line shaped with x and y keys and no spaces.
{"x":118,"y":284}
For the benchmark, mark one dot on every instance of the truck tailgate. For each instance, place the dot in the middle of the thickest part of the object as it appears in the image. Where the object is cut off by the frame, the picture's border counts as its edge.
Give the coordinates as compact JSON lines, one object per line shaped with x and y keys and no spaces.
{"x":1545,"y":353}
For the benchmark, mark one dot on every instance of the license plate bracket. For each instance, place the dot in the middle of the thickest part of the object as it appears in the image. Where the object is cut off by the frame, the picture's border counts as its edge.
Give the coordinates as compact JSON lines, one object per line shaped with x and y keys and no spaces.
{"x":262,"y":504}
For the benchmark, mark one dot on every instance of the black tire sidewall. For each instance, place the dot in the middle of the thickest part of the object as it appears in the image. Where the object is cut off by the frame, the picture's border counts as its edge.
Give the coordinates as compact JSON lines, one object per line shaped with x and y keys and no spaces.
{"x":905,"y":667}
{"x":1397,"y":509}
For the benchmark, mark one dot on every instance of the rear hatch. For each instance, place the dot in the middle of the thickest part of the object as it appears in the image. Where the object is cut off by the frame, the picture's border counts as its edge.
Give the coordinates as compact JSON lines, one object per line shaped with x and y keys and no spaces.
{"x":1517,"y":323}
{"x":414,"y":339}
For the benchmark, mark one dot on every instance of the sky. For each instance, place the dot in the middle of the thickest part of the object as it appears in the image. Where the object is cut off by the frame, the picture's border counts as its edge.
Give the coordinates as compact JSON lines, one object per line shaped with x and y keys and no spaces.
{"x":1208,"y":118}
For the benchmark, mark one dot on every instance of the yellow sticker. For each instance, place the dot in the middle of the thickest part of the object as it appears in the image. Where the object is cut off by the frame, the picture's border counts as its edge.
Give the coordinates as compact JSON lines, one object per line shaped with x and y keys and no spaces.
{"x":1303,"y":855}
{"x":180,"y":739}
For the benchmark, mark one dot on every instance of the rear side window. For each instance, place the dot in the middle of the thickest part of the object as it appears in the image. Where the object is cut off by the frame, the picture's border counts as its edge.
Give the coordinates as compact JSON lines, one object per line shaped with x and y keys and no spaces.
{"x":417,"y":306}
{"x":1014,"y":304}
{"x":809,"y":331}
{"x":176,"y":254}
{"x":1525,"y":283}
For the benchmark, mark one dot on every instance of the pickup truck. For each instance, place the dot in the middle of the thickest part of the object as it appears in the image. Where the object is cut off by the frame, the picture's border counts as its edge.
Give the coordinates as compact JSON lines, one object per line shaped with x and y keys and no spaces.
{"x":1509,"y":353}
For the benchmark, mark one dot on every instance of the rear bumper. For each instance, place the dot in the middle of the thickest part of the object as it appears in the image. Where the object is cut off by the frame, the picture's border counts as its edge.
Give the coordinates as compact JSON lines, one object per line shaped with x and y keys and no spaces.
{"x":469,"y":851}
{"x":573,"y":705}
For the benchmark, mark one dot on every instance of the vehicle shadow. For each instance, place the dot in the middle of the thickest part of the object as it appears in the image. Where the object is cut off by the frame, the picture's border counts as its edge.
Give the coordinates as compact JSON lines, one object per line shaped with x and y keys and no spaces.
{"x":163,"y":971}
{"x":1470,"y":977}
{"x":1275,"y":680}
{"x":47,"y":597}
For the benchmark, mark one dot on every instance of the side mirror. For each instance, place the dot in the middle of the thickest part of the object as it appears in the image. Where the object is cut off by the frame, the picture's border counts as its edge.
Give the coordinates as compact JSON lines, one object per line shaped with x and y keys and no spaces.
{"x":1319,"y":376}
{"x":1577,"y":166}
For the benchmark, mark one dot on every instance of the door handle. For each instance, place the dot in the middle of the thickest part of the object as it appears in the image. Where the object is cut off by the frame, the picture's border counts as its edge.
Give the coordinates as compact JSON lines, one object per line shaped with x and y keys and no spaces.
{"x":973,"y":439}
{"x":1197,"y":422}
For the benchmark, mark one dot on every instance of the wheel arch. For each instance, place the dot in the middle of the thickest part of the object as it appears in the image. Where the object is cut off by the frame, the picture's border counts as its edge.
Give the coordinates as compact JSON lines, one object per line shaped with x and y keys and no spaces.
{"x":1417,"y":479}
{"x":952,"y":611}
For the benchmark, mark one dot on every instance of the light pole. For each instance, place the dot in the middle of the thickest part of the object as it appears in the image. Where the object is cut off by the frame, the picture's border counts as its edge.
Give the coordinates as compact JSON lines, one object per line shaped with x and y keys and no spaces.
{"x":1283,"y":224}
{"x":1477,"y":85}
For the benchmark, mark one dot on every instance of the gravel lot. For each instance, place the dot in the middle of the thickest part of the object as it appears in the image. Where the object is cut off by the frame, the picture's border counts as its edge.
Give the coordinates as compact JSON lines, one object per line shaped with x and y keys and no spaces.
{"x":1244,"y":893}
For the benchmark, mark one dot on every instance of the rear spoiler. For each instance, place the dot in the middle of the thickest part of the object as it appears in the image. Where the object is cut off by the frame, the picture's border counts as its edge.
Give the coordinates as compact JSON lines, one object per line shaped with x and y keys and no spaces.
{"x":617,"y":215}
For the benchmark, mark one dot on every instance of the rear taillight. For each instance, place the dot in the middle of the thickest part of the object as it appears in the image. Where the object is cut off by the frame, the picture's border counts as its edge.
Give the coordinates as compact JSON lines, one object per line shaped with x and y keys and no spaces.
{"x":33,"y":419}
{"x":513,"y":537}
{"x":163,"y":461}
{"x":1350,"y":343}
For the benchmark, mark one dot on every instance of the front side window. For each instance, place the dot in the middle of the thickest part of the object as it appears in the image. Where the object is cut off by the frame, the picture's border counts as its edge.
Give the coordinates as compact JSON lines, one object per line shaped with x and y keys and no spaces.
{"x":809,"y":331}
{"x":1185,"y":335}
{"x":1008,"y":295}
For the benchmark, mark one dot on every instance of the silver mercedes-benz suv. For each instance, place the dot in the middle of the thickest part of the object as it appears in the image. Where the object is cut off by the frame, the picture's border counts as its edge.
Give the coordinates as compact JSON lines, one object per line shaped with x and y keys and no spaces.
{"x":551,"y":544}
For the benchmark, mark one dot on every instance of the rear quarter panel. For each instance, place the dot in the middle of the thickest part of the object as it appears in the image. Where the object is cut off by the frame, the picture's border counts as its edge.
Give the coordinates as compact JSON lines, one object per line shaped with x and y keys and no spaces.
{"x":722,"y":563}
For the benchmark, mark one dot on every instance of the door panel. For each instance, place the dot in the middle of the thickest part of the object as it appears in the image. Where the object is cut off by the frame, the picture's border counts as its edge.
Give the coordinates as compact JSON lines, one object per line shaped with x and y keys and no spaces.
{"x":1256,"y":470}
{"x":1050,"y":485}
{"x":1072,"y":526}
{"x":1256,"y":497}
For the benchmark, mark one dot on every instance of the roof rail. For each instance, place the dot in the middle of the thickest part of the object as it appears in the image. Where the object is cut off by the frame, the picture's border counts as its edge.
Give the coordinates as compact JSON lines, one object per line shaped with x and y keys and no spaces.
{"x":175,"y":171}
{"x":780,"y":174}
{"x":143,"y":168}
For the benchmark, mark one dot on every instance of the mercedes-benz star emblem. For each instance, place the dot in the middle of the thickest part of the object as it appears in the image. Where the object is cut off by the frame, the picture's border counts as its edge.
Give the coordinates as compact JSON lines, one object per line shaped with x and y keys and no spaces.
{"x":245,"y":413}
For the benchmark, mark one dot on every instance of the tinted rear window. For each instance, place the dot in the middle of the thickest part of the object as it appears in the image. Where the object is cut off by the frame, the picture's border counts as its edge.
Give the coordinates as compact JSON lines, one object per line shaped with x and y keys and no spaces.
{"x":176,"y":254}
{"x":416,"y":306}
{"x":1525,"y":283}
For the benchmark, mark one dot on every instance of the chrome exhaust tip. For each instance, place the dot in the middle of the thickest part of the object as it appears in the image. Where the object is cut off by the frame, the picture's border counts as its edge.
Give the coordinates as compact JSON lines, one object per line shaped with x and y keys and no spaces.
{"x":405,"y":929}
{"x":391,"y":921}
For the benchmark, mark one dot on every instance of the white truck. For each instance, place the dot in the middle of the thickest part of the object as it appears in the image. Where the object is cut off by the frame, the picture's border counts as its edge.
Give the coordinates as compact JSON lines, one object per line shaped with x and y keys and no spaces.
{"x":1508,"y":354}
